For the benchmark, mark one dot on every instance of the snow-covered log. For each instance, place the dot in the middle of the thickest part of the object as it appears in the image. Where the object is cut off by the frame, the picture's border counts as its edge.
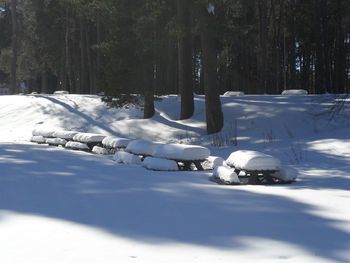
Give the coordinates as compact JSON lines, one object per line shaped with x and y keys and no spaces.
{"x":226,"y":175}
{"x":181,"y":152}
{"x":300,"y":92}
{"x":77,"y":146}
{"x":89,"y":138}
{"x":127,"y":158}
{"x":159,"y":164}
{"x":253,"y":160}
{"x":38,"y":139}
{"x":141,"y":147}
{"x":67,"y":135}
{"x":56,"y":141}
{"x":115,"y":142}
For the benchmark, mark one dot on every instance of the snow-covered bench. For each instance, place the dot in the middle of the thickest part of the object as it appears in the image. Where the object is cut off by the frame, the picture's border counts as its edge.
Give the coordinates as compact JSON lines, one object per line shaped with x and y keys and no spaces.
{"x":90,"y":139}
{"x":113,"y":144}
{"x":183,"y":155}
{"x":254,"y":167}
{"x":141,"y":147}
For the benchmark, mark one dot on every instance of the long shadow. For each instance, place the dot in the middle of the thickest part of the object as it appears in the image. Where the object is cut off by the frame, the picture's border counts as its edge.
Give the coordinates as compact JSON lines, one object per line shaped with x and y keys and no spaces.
{"x":75,"y":111}
{"x":156,"y":207}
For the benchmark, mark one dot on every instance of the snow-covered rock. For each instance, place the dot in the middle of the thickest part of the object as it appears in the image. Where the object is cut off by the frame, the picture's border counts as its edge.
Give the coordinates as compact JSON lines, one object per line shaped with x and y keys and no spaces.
{"x":233,"y":93}
{"x":286,"y":174}
{"x":141,"y":147}
{"x":88,"y":137}
{"x":226,"y":175}
{"x":181,"y":152}
{"x":212,"y":162}
{"x":299,"y":92}
{"x":45,"y":132}
{"x":253,"y":160}
{"x":77,"y":146}
{"x":56,"y":141}
{"x":67,"y":135}
{"x":127,"y":158}
{"x":159,"y":164}
{"x":38,"y":139}
{"x":100,"y":150}
{"x":115,"y":142}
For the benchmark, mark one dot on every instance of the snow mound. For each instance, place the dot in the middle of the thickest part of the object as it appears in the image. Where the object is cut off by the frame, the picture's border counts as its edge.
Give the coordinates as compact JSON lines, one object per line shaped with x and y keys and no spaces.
{"x":114,"y":142}
{"x":286,"y":174}
{"x":233,"y":93}
{"x":88,"y":137}
{"x":212,"y":162}
{"x":38,"y":139}
{"x":127,"y":158}
{"x":56,"y":141}
{"x":226,"y":175}
{"x":141,"y":147}
{"x":159,"y":164}
{"x":77,"y":146}
{"x":252,"y":160}
{"x":181,"y":152}
{"x":67,"y":135}
{"x":43,"y":132}
{"x":293,"y":92}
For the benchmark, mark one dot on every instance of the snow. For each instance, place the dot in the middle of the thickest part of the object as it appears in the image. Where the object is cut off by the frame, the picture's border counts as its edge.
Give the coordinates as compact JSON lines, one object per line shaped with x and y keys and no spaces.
{"x":43,"y":132}
{"x":226,"y":175}
{"x":114,"y":142}
{"x":58,"y":205}
{"x":126,"y":158}
{"x":67,"y":135}
{"x":159,"y":164}
{"x":56,"y":141}
{"x":88,"y":137}
{"x":252,"y":160}
{"x":61,"y":92}
{"x":180,"y":152}
{"x":287,"y":174}
{"x":141,"y":147}
{"x":77,"y":146}
{"x":295,"y":92}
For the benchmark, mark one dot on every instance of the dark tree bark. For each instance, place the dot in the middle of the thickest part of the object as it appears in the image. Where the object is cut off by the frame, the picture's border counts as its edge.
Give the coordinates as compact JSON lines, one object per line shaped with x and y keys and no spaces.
{"x":13,"y":85}
{"x":185,"y":59}
{"x":148,"y":82}
{"x":83,"y":60}
{"x":214,"y":115}
{"x":263,"y":44}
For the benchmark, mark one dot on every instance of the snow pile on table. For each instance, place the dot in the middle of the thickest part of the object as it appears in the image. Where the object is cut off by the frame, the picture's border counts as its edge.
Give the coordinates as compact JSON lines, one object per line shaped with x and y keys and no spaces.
{"x":56,"y":141}
{"x":77,"y":146}
{"x":300,"y":92}
{"x":286,"y":174}
{"x":43,"y":132}
{"x":100,"y":150}
{"x":67,"y":135}
{"x":160,"y":164}
{"x":141,"y":147}
{"x":181,"y":152}
{"x":115,"y":142}
{"x":89,"y":137}
{"x":212,"y":162}
{"x":38,"y":139}
{"x":253,"y":160}
{"x":226,"y":175}
{"x":126,"y":158}
{"x":233,"y":93}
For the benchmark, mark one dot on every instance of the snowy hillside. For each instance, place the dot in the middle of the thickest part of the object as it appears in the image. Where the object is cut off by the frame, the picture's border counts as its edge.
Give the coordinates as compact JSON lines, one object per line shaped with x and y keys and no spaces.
{"x":58,"y":205}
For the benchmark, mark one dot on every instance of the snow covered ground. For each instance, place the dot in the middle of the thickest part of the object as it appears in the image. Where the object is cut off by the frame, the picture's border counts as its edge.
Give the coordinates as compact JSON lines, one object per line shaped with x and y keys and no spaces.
{"x":59,"y":205}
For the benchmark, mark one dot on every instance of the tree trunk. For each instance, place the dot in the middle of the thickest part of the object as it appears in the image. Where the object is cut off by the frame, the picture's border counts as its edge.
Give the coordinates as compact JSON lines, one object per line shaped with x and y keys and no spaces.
{"x":263,"y":39}
{"x":13,"y":85}
{"x":340,"y":56}
{"x":148,"y":82}
{"x":214,"y":115}
{"x":83,"y":73}
{"x":185,"y":60}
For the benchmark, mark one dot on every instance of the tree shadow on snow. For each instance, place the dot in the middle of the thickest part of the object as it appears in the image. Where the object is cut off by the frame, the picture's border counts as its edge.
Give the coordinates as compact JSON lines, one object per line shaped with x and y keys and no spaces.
{"x":156,"y":207}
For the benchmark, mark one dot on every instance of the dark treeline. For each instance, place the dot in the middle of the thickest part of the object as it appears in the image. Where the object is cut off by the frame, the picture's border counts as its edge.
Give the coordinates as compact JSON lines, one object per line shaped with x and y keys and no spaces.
{"x":177,"y":46}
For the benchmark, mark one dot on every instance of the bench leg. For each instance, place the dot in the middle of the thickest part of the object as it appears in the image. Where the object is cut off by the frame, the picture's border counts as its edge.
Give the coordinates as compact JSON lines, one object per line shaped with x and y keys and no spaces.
{"x":198,"y":165}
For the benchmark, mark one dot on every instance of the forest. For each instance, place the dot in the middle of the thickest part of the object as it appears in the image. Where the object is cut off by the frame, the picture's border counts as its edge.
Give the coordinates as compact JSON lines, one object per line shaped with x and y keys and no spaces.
{"x":155,"y":47}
